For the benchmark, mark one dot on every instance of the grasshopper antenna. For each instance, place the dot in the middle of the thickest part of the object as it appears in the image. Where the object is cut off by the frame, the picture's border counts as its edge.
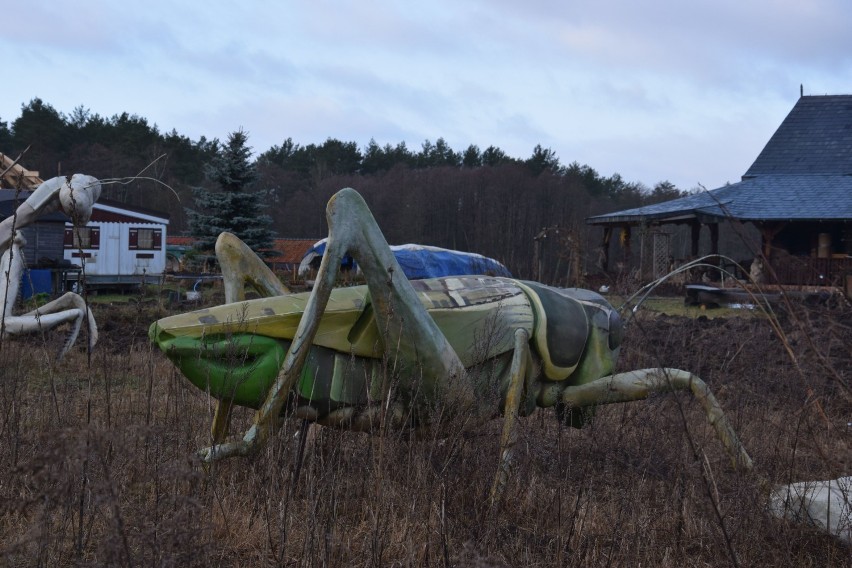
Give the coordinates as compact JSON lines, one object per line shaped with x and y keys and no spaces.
{"x":645,"y":291}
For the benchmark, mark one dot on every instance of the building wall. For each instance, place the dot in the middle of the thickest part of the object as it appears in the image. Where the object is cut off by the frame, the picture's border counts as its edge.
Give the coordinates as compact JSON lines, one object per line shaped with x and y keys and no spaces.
{"x":44,"y":244}
{"x":114,"y":256}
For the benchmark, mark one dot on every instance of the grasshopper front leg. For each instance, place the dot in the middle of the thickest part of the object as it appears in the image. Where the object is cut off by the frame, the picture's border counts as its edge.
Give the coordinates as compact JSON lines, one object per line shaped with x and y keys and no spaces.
{"x":520,"y":372}
{"x":240,"y":267}
{"x":436,"y":373}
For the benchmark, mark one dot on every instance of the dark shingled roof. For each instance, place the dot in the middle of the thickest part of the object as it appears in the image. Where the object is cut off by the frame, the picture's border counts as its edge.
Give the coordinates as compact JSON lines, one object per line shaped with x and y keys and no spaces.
{"x":815,"y":138}
{"x":803,"y":173}
{"x":762,"y":198}
{"x":11,"y":199}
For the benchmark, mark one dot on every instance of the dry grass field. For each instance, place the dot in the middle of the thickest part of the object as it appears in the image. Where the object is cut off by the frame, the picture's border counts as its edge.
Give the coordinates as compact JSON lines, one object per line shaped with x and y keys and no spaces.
{"x":97,"y":464}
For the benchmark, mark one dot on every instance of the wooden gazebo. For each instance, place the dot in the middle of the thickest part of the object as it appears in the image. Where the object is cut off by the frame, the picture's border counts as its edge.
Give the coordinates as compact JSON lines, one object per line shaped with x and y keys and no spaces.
{"x":798,"y":194}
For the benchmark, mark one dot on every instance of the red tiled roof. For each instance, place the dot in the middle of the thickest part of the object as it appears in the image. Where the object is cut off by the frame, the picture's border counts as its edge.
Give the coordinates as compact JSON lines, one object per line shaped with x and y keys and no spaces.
{"x":290,"y":251}
{"x":180,"y":241}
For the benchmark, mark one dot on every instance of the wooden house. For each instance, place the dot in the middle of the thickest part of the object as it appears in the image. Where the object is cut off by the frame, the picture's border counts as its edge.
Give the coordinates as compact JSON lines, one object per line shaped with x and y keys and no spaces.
{"x":797,"y":195}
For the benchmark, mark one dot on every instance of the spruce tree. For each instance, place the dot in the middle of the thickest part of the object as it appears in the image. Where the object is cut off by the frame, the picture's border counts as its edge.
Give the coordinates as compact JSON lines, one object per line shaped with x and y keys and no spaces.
{"x":236,"y":207}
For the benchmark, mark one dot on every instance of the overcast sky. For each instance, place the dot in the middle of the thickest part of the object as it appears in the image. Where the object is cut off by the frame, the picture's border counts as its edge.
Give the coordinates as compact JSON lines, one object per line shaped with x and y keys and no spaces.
{"x":685,"y":91}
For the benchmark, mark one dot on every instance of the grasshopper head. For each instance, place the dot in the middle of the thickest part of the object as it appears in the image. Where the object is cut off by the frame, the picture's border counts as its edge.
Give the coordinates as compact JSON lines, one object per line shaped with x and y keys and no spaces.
{"x":227,"y":350}
{"x":236,"y":350}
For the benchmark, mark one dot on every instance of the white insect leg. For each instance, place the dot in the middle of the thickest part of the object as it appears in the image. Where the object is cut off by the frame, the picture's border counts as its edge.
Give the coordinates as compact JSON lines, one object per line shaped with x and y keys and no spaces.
{"x":11,"y":271}
{"x":48,"y":319}
{"x":74,"y":302}
{"x":20,"y":325}
{"x":68,"y":308}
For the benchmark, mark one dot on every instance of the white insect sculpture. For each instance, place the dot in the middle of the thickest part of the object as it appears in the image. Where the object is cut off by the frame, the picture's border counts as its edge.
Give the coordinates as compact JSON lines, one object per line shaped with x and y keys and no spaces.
{"x":75,"y":197}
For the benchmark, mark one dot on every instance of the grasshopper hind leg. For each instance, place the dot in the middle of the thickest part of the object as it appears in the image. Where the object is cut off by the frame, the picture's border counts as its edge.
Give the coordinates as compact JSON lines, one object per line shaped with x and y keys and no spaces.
{"x":434,"y":370}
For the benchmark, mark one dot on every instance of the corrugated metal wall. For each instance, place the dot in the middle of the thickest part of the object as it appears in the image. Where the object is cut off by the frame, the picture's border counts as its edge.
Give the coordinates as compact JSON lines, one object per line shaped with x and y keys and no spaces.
{"x":113,"y":256}
{"x":44,"y":244}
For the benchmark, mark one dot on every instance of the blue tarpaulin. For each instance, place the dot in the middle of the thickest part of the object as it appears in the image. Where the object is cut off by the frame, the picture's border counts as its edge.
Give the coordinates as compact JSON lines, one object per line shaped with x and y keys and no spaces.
{"x":419,"y":261}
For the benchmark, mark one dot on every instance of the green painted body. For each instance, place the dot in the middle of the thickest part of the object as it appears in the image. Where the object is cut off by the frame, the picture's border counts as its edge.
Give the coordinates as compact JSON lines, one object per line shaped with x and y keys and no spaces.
{"x":235,"y":351}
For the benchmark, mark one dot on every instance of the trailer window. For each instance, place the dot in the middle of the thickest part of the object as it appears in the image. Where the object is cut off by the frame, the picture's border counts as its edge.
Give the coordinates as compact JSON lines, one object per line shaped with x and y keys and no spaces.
{"x":82,"y":238}
{"x":146,"y":239}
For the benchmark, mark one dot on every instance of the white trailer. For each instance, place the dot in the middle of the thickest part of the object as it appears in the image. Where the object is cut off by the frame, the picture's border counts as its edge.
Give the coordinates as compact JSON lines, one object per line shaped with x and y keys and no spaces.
{"x":121,"y":245}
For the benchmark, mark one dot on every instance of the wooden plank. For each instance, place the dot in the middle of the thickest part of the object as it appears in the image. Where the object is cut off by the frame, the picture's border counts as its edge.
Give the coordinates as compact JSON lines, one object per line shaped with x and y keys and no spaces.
{"x":15,"y":175}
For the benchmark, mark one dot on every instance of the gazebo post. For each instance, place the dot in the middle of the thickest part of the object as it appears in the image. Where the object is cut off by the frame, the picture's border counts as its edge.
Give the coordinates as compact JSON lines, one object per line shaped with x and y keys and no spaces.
{"x":714,"y":238}
{"x":625,"y":241}
{"x":607,"y":237}
{"x":767,"y":234}
{"x":696,"y":235}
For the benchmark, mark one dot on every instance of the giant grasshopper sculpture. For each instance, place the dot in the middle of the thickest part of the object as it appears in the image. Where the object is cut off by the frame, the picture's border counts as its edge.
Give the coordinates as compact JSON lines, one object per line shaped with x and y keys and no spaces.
{"x":74,"y":197}
{"x":460,"y":343}
{"x":465,"y":348}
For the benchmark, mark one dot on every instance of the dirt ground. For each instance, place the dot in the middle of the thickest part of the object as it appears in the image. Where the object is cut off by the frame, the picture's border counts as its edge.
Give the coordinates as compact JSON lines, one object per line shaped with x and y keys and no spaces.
{"x":97,"y":464}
